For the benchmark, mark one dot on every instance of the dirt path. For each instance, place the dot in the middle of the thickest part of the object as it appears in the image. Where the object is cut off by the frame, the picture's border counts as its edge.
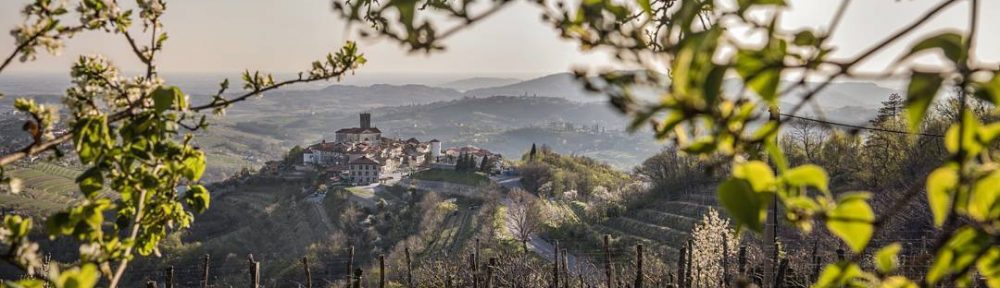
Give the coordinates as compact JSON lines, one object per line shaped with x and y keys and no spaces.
{"x":543,"y":248}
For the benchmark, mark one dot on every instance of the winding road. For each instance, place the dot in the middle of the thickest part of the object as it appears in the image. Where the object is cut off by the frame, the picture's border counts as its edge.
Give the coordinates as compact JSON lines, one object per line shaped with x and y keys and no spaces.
{"x":536,"y":244}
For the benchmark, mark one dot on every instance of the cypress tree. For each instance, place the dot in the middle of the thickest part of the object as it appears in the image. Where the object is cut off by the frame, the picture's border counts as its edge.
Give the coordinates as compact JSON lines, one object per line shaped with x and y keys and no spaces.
{"x":483,"y":165}
{"x":531,"y":155}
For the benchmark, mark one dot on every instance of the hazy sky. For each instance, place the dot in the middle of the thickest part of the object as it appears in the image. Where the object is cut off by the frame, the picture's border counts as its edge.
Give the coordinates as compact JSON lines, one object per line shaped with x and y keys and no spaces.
{"x":210,"y":36}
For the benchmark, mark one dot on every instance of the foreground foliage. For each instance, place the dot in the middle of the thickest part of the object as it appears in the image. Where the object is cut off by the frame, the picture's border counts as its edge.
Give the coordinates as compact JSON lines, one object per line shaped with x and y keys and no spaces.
{"x":693,"y":40}
{"x":132,"y":133}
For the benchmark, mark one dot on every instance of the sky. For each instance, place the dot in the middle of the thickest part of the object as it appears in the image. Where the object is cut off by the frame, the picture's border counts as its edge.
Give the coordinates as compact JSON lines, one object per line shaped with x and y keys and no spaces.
{"x":282,"y":36}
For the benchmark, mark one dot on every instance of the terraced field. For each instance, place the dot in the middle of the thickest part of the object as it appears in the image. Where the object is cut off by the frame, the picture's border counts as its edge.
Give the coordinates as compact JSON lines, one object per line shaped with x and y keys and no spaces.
{"x":663,"y":225}
{"x":456,"y":230}
{"x":47,"y":188}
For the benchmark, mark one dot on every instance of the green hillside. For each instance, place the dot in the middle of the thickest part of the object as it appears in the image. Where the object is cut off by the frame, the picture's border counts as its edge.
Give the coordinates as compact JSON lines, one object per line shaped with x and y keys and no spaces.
{"x":47,"y":188}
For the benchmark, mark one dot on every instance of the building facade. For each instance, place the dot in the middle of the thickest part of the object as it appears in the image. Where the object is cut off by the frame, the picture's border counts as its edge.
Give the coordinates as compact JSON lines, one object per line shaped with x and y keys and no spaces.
{"x":365,"y":134}
{"x":364,"y":171}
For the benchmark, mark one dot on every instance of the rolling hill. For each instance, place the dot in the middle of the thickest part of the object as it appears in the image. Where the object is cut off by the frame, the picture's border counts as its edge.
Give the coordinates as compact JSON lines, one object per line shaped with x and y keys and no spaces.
{"x":478,"y":83}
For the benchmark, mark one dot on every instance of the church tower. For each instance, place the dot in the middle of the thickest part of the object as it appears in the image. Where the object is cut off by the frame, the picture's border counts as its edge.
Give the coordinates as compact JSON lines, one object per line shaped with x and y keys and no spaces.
{"x":366,"y":120}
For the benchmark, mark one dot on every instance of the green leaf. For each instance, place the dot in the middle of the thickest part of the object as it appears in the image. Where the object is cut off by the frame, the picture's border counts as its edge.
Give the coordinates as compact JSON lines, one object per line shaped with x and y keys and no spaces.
{"x":807,"y":175}
{"x":984,"y":203}
{"x":168,"y":97}
{"x":26,"y":283}
{"x":198,"y":198}
{"x":702,"y":145}
{"x":712,"y":85}
{"x":852,"y":220}
{"x":898,"y":282}
{"x":85,"y":276}
{"x":919,"y":95}
{"x":693,"y":67}
{"x":747,"y":207}
{"x":646,"y":6}
{"x":941,"y":185}
{"x":805,"y":38}
{"x":777,"y":156}
{"x":757,"y":173}
{"x":989,"y":267}
{"x":91,"y":137}
{"x":746,"y":4}
{"x":988,"y":133}
{"x":950,"y":44}
{"x":91,"y":181}
{"x":838,"y":275}
{"x":761,"y":77}
{"x":194,"y":166}
{"x":886,"y":258}
{"x":60,"y":224}
{"x":971,"y":144}
{"x":17,"y":225}
{"x":988,"y":91}
{"x":958,"y":253}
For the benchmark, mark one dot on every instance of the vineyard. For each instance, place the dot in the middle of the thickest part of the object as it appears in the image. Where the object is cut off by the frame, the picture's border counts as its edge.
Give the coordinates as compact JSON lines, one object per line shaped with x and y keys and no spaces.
{"x":46,"y":188}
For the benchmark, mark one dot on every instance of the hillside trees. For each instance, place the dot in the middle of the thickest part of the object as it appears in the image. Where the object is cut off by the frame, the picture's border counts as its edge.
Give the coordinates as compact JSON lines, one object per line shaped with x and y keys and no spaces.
{"x":672,"y":171}
{"x":551,"y":174}
{"x":133,"y":133}
{"x":525,"y":216}
{"x":701,"y":43}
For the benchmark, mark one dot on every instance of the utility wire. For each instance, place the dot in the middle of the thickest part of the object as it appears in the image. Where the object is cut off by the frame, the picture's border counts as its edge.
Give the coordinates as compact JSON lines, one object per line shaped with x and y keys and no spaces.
{"x":862,"y":127}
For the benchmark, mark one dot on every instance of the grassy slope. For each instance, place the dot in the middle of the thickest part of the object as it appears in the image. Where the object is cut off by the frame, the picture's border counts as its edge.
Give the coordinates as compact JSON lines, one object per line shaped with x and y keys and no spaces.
{"x":465,"y":178}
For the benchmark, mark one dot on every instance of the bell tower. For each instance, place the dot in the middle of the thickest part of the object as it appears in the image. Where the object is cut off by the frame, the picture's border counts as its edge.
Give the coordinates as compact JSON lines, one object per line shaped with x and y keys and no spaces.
{"x":366,"y":120}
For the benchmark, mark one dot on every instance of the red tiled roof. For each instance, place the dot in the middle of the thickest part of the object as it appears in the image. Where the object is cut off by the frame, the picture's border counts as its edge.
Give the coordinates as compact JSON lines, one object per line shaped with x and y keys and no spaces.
{"x":363,"y":160}
{"x":329,"y":147}
{"x":357,"y":130}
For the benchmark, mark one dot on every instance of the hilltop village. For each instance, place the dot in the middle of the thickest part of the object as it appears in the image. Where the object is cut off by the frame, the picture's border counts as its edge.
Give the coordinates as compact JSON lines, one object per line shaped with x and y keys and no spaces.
{"x":362,"y":156}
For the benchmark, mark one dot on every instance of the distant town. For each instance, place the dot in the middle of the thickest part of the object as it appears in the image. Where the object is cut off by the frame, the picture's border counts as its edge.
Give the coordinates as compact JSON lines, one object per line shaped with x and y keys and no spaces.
{"x":360,"y":156}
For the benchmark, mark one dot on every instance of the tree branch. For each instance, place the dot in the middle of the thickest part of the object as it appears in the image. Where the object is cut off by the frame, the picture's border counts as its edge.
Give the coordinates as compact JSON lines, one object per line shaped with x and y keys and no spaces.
{"x":18,"y":49}
{"x":39,"y":147}
{"x":34,"y":148}
{"x":844,"y":69}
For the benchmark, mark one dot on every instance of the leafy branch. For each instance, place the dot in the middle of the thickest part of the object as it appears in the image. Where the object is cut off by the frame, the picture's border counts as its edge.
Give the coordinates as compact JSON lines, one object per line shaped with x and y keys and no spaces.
{"x":695,"y":41}
{"x":125,"y":130}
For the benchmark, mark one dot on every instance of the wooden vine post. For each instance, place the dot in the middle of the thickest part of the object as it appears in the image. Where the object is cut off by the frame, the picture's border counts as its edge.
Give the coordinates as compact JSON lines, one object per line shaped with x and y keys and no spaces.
{"x":381,"y":271}
{"x":168,"y":280}
{"x":681,"y":262}
{"x":638,"y":266}
{"x":555,"y":268}
{"x":725,"y":259}
{"x":489,"y":272}
{"x":254,"y":271}
{"x":779,"y":279}
{"x":204,"y":272}
{"x":358,"y":277}
{"x":350,"y":265}
{"x":409,"y":269}
{"x":305,"y":265}
{"x":472,"y":263}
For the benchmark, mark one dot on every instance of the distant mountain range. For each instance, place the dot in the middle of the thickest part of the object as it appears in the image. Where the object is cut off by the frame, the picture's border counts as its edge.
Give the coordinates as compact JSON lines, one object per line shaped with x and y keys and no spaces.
{"x":478,"y":83}
{"x":353,"y":97}
{"x":553,"y":110}
{"x":562,"y":85}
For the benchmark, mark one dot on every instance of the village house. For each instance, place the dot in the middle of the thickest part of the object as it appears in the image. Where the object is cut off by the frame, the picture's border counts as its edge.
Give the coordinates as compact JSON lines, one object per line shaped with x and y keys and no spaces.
{"x":451,"y":155}
{"x":361,"y":155}
{"x":364,"y":171}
